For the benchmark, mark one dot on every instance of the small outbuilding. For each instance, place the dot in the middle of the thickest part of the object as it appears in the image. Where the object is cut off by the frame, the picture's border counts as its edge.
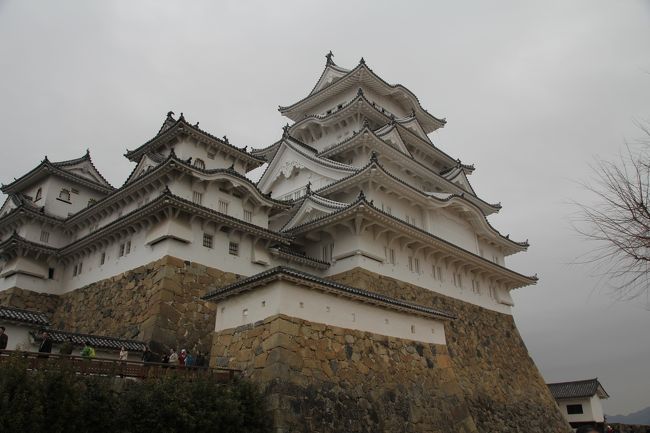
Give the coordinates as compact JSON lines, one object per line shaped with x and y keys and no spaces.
{"x":580,"y":401}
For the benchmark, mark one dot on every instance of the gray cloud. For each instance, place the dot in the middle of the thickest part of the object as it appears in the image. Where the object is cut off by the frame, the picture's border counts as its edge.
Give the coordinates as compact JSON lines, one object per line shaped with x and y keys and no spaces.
{"x":532,"y":92}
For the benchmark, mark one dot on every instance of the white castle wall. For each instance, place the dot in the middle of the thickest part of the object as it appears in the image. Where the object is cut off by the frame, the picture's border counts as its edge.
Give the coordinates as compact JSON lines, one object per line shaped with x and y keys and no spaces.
{"x":283,"y":297}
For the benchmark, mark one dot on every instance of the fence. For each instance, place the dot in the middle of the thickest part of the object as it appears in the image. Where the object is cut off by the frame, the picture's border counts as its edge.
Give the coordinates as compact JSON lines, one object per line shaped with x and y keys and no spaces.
{"x":115,"y":368}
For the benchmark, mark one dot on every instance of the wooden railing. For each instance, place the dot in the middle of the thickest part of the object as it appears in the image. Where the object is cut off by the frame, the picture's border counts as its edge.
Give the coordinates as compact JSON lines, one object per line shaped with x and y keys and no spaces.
{"x":114,"y":367}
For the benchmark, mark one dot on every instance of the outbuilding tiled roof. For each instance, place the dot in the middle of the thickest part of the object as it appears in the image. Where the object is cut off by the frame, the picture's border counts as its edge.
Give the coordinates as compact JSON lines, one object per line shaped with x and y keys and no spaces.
{"x":577,"y":389}
{"x":23,"y":316}
{"x":96,"y":341}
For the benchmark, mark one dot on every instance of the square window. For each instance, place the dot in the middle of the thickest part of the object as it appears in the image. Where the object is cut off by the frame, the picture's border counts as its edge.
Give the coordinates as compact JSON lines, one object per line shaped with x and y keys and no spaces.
{"x":233,"y":248}
{"x":45,"y":236}
{"x":207,"y":240}
{"x":574,"y":409}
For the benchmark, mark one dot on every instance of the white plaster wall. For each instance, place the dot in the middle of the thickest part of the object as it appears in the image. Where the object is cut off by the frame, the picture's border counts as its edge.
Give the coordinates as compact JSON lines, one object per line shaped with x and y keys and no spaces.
{"x":18,"y":336}
{"x":283,"y":297}
{"x":54,"y":185}
{"x":190,"y":148}
{"x":592,"y":409}
{"x":364,"y":251}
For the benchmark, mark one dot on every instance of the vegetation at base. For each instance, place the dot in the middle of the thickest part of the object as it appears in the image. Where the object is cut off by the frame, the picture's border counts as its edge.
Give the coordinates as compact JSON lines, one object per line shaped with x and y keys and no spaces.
{"x":58,"y":400}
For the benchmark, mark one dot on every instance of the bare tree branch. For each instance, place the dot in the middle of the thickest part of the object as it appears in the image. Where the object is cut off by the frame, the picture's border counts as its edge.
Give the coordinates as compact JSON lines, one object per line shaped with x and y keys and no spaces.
{"x":618,"y":223}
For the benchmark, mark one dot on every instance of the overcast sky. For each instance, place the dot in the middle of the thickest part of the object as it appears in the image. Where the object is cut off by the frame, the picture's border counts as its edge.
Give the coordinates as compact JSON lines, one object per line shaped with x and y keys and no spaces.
{"x":532,"y":92}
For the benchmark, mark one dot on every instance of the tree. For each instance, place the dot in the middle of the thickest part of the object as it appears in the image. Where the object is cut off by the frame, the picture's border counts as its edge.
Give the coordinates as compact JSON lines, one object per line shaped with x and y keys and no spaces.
{"x":618,"y":222}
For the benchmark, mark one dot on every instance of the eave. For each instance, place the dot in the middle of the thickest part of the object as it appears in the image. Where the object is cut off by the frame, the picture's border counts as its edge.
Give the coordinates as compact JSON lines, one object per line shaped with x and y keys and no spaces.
{"x":304,"y":279}
{"x":438,"y":246}
{"x":171,"y":201}
{"x":363,"y":75}
{"x":46,"y":168}
{"x":182,"y":128}
{"x":374,"y":170}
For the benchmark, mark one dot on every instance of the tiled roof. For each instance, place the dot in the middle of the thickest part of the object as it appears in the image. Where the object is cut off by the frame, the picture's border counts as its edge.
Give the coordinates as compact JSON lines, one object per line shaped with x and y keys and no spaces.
{"x":333,"y":286}
{"x":576,"y":389}
{"x":24,"y":316}
{"x":97,"y":341}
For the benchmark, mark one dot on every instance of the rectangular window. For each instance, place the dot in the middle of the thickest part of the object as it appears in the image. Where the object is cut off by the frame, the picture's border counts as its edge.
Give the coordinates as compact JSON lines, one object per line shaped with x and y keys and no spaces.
{"x":102,"y":259}
{"x":416,"y":265}
{"x":233,"y":248}
{"x":127,"y":249}
{"x":74,"y":271}
{"x":411,"y":263}
{"x":248,"y":216}
{"x":210,"y":155}
{"x":45,"y":236}
{"x":458,"y":281}
{"x":121,"y":250}
{"x":79,"y":270}
{"x":476,"y":286}
{"x":50,"y":273}
{"x":574,"y":409}
{"x":207,"y":240}
{"x":197,"y":197}
{"x":223,"y":207}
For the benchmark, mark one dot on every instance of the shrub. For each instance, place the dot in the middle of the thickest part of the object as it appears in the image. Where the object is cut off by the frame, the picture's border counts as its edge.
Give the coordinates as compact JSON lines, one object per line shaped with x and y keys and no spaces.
{"x":58,"y":400}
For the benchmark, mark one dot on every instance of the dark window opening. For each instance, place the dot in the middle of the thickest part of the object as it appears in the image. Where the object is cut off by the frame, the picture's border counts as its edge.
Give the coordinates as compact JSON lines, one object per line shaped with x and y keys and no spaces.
{"x":50,"y":273}
{"x":574,"y":409}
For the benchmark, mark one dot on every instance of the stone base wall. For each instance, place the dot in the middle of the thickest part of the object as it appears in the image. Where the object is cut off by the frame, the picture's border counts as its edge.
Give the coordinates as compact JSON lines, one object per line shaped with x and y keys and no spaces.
{"x":502,"y":386}
{"x":326,"y":379}
{"x":158,"y":303}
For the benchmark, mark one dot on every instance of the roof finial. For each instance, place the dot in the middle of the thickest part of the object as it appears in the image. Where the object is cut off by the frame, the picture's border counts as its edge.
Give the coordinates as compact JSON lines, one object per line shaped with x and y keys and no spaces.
{"x":329,"y":56}
{"x":366,"y":123}
{"x":181,"y":117}
{"x":412,"y":112}
{"x":225,"y":139}
{"x":170,"y":114}
{"x":309,"y":183}
{"x":172,"y":153}
{"x":87,"y":152}
{"x":285,"y":130}
{"x":360,"y":92}
{"x":373,"y":156}
{"x":44,"y":160}
{"x":196,"y":125}
{"x":361,"y":196}
{"x":232,"y":167}
{"x":362,"y":61}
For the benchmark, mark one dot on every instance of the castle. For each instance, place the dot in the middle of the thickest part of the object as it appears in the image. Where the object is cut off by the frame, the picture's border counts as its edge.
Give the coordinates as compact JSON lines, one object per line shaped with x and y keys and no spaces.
{"x":358,"y":280}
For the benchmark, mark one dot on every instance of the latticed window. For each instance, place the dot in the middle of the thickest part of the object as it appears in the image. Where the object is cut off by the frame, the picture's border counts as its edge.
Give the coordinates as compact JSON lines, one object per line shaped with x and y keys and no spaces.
{"x":223,"y":207}
{"x":45,"y":236}
{"x":64,"y":195}
{"x":197,"y":197}
{"x":207,"y":240}
{"x":233,"y":248}
{"x":248,"y":215}
{"x":198,"y":163}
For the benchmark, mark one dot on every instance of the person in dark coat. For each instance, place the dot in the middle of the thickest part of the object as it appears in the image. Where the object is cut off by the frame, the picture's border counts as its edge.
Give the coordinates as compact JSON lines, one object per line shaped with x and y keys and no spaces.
{"x":147,"y":355}
{"x":46,"y":343}
{"x":4,"y":339}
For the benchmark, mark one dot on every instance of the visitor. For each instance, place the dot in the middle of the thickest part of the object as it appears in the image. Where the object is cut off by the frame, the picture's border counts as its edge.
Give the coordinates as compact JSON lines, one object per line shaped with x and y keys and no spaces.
{"x":147,"y":355}
{"x":173,"y":357}
{"x":88,"y":351}
{"x":165,"y":358}
{"x":189,"y":359}
{"x":181,"y":357}
{"x":66,"y":347}
{"x":4,"y":339}
{"x":200,"y":360}
{"x":124,"y":354}
{"x":46,"y":343}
